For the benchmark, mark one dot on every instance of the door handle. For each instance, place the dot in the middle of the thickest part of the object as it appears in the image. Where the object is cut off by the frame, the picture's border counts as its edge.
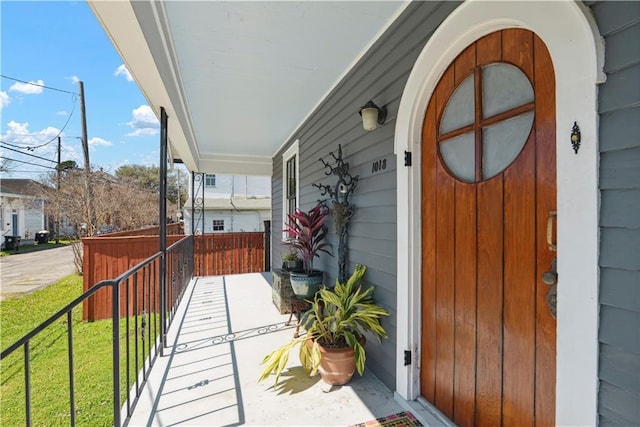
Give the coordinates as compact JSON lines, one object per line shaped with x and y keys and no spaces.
{"x":550,"y":278}
{"x":552,"y":246}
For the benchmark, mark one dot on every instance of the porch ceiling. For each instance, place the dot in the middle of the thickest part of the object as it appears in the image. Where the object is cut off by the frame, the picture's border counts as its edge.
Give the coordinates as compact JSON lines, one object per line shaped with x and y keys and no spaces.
{"x":238,"y":78}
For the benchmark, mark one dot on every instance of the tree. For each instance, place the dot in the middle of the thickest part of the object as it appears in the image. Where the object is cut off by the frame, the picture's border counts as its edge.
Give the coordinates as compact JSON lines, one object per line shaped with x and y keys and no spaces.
{"x":149,"y":177}
{"x":126,"y":201}
{"x":117,"y":204}
{"x":67,"y":164}
{"x":145,"y":176}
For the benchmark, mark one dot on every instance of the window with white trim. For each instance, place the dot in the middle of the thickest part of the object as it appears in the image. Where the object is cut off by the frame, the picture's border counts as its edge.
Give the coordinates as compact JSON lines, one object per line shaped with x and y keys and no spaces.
{"x":290,"y":183}
{"x":218,"y":225}
{"x":210,"y":181}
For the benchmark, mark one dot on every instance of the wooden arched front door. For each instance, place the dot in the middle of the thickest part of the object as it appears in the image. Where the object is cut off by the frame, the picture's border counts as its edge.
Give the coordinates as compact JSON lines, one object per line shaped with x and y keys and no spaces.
{"x":488,"y":187}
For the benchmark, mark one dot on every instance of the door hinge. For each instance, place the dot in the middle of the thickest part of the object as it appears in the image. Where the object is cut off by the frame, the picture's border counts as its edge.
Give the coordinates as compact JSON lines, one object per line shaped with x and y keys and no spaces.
{"x":407,"y":158}
{"x":407,"y":357}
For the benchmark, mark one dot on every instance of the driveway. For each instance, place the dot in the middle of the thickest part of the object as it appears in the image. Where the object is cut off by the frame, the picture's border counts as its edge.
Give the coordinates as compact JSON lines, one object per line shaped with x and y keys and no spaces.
{"x":22,"y":274}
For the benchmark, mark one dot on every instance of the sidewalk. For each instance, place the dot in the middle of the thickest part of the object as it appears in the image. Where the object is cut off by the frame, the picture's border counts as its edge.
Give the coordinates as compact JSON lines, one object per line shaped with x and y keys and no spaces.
{"x":24,"y":273}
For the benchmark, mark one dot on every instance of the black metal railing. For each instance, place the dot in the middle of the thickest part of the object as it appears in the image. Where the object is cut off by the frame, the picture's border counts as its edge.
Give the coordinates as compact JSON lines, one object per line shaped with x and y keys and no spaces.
{"x":139,"y":306}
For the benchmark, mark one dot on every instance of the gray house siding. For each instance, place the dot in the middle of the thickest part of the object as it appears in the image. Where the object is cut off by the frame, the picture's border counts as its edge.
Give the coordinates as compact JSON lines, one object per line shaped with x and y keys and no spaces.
{"x":381,"y":76}
{"x":619,"y":108}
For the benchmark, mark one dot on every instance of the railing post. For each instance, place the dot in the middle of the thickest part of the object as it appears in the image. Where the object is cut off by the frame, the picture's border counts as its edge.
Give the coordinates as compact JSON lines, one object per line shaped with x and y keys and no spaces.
{"x":163,"y":227}
{"x":27,"y":384}
{"x":115,"y":338}
{"x":267,"y":245}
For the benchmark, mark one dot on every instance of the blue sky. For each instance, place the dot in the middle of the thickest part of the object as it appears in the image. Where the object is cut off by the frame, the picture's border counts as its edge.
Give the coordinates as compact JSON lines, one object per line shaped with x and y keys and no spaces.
{"x":55,"y":44}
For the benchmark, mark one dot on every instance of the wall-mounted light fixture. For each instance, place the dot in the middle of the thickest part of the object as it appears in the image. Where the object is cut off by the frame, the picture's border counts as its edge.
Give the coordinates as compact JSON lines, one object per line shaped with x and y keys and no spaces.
{"x":372,"y":115}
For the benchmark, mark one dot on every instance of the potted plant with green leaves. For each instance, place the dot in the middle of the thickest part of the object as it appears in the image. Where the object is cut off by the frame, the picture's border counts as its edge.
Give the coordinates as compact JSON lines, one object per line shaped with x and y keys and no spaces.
{"x":291,"y":261}
{"x":307,"y":232}
{"x":336,"y":323}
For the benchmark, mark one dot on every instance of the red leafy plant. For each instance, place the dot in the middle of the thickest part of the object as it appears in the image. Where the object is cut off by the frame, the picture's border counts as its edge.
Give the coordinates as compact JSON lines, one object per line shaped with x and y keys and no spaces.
{"x":307,"y":232}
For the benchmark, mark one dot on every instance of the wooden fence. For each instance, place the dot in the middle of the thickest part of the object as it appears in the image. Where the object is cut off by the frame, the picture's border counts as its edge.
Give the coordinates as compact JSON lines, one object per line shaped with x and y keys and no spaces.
{"x":173,"y":228}
{"x":106,"y":258}
{"x":109,"y":256}
{"x":229,"y":253}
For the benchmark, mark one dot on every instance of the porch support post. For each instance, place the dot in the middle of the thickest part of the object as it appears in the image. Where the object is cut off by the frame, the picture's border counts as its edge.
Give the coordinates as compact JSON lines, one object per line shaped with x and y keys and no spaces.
{"x":163,"y":227}
{"x":197,"y":220}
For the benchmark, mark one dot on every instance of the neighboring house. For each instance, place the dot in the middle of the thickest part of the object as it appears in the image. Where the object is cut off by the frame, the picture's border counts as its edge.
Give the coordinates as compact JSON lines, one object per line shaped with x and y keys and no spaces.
{"x":230,"y":203}
{"x":467,"y":193}
{"x":21,"y":213}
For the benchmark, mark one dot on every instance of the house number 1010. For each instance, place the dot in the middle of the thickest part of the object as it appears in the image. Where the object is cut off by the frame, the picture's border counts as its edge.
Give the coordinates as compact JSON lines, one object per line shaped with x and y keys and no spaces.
{"x":378,"y":165}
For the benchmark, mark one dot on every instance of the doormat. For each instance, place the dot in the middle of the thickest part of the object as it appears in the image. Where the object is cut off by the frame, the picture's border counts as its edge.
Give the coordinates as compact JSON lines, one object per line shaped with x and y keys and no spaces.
{"x":401,"y":419}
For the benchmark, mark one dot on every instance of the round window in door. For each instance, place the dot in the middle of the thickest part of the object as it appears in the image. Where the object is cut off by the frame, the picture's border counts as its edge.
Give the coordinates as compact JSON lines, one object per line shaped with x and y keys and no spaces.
{"x":486,"y":122}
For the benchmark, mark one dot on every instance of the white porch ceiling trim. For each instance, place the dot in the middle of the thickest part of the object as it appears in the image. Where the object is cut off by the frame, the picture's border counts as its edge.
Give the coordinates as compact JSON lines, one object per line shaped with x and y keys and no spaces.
{"x":238,"y":79}
{"x":119,"y":21}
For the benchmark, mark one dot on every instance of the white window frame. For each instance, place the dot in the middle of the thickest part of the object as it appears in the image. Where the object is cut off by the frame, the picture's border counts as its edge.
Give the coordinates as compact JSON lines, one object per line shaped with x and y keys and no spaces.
{"x":293,"y":150}
{"x":206,"y":185}
{"x":213,"y":225}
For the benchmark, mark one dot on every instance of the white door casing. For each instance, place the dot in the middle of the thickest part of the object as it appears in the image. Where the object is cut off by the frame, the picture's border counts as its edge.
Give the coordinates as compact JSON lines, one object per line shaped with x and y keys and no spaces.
{"x":577,"y":51}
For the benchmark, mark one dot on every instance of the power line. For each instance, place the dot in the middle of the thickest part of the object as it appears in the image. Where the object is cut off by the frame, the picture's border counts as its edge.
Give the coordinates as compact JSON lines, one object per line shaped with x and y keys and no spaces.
{"x":27,"y":154}
{"x":72,"y":155}
{"x":34,"y":135}
{"x":39,"y":135}
{"x":10,"y":167}
{"x":63,"y":127}
{"x":28,"y":148}
{"x":36,"y":84}
{"x":31,"y":148}
{"x":23,"y":171}
{"x":28,"y":163}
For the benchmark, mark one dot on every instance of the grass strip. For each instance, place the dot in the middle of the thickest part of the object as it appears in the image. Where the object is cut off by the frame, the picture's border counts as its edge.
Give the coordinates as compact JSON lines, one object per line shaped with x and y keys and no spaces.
{"x":23,"y":249}
{"x":49,"y":362}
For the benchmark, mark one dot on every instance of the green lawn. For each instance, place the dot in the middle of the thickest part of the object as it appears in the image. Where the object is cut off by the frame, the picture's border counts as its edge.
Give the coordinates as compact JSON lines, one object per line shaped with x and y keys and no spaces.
{"x":34,"y":248}
{"x":49,"y":366}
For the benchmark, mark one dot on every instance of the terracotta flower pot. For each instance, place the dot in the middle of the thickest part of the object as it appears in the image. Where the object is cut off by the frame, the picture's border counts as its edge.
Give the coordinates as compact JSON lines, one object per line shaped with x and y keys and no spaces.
{"x":337,"y":365}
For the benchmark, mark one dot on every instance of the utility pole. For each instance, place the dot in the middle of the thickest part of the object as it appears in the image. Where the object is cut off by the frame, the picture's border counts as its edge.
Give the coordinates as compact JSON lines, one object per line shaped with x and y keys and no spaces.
{"x":58,"y":194}
{"x":91,"y":221}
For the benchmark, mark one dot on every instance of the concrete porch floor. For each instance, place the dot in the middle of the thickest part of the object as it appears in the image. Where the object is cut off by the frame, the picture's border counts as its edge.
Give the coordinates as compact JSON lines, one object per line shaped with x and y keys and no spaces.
{"x":224,"y":327}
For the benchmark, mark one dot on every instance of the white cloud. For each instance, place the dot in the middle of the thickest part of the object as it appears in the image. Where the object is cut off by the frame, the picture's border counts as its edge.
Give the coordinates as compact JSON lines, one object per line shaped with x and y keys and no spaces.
{"x":74,"y":79}
{"x":143,"y":132}
{"x":4,"y":99}
{"x":28,"y":88}
{"x":151,"y":158}
{"x":62,"y":113}
{"x":144,"y":122}
{"x":122,"y":71}
{"x":95,"y":142}
{"x":16,"y":128}
{"x":19,"y":133}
